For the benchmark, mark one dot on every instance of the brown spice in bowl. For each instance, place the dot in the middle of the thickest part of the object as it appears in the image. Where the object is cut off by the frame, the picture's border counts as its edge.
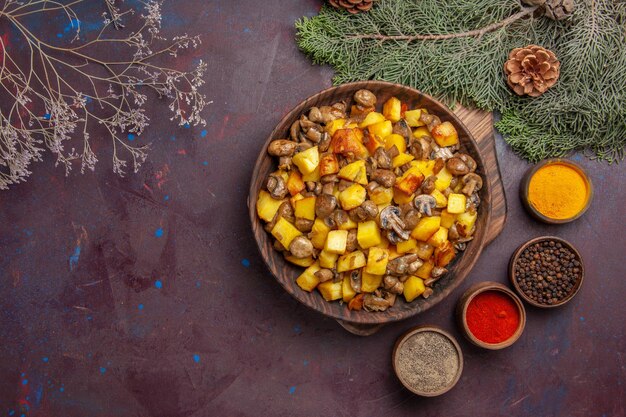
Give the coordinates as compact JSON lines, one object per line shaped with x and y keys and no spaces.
{"x":427,"y":362}
{"x":547,"y":272}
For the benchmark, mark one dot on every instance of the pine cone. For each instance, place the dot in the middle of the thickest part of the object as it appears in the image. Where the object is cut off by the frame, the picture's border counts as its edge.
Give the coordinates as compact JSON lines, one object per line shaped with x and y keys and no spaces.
{"x":352,"y":6}
{"x":553,"y":9}
{"x":531,"y":70}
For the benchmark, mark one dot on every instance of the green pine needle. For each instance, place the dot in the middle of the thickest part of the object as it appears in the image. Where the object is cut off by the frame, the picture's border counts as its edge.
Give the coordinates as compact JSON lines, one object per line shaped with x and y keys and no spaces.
{"x":585,"y":111}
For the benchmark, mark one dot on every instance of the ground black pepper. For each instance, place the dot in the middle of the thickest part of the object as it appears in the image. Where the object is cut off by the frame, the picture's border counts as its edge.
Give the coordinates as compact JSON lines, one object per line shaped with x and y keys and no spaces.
{"x":547,"y":272}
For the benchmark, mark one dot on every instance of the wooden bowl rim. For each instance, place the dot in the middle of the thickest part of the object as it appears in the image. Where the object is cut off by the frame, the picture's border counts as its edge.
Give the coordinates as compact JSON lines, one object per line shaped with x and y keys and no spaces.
{"x":480,"y":288}
{"x":364,"y":317}
{"x":421,"y":329}
{"x":525,"y":183}
{"x":525,"y":245}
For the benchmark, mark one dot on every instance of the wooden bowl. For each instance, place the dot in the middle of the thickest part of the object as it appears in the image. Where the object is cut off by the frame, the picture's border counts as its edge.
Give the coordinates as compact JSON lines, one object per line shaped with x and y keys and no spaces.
{"x":396,"y":363}
{"x":469,"y":295}
{"x":521,"y":293}
{"x":525,"y":183}
{"x":286,"y":273}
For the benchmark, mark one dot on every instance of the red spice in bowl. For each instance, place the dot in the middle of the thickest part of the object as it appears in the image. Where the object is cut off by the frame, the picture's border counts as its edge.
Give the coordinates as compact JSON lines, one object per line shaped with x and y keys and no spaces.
{"x":492,"y":317}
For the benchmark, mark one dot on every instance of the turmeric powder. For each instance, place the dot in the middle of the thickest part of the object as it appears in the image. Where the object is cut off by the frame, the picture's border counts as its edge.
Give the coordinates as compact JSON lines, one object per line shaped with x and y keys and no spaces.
{"x":558,"y":191}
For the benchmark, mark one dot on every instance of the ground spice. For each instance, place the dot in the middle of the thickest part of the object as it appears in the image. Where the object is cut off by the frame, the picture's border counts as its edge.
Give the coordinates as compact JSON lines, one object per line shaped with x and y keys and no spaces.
{"x":427,"y":361}
{"x":492,"y":317}
{"x":558,"y":191}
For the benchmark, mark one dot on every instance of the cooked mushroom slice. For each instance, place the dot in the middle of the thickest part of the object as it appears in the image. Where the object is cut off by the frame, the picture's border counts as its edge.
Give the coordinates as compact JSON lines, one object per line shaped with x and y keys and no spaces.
{"x":285,"y":163}
{"x":324,"y":143}
{"x":472,"y":201}
{"x":384,"y":177}
{"x":329,"y":114}
{"x":390,"y":220}
{"x":301,"y":247}
{"x":471,"y":182}
{"x":411,"y":219}
{"x":276,"y":186}
{"x":294,"y":131}
{"x":402,"y":128}
{"x":427,"y":292}
{"x":439,"y":164}
{"x":443,"y":153}
{"x":315,"y":115}
{"x":352,"y":243}
{"x":424,"y":203}
{"x":435,"y":274}
{"x":324,"y":275}
{"x":393,"y":284}
{"x":281,"y":147}
{"x":330,"y":178}
{"x":382,"y":158}
{"x":414,"y":266}
{"x":340,"y":217}
{"x":325,"y":204}
{"x":389,"y":297}
{"x":328,"y":189}
{"x":343,"y":184}
{"x":365,"y":98}
{"x":428,"y":186}
{"x":374,"y":303}
{"x":401,"y":265}
{"x":355,"y":280}
{"x":469,"y":161}
{"x":314,"y":134}
{"x":421,"y":147}
{"x":304,"y":225}
{"x":453,"y":233}
{"x":457,"y":166}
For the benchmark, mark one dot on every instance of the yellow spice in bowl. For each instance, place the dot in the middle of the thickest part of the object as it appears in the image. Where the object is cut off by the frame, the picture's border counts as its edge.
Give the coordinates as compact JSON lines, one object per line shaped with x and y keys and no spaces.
{"x":558,"y":191}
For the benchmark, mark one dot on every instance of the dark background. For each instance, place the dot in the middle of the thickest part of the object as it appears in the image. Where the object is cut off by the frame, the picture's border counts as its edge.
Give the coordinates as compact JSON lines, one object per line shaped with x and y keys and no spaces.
{"x":85,"y":329}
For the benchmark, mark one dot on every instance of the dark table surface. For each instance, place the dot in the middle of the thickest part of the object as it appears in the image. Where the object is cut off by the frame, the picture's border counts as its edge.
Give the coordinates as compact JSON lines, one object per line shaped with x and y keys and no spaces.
{"x":146,"y":295}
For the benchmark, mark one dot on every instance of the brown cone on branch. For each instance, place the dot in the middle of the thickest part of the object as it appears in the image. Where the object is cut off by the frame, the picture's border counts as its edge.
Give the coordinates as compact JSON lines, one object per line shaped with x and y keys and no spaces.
{"x":553,"y":9}
{"x":531,"y":70}
{"x":352,"y":6}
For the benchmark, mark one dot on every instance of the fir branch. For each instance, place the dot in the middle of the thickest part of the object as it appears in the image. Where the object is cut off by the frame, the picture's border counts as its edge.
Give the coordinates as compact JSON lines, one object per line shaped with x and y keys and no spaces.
{"x":472,"y":33}
{"x":584,"y":111}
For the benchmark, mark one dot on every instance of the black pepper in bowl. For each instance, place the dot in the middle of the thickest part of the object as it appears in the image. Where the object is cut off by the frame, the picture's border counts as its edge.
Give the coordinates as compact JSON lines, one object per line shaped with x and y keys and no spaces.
{"x":546,"y":271}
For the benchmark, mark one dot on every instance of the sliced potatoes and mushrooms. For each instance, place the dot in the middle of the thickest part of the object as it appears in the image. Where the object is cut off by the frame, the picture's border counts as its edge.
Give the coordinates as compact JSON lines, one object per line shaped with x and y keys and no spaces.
{"x":373,"y":205}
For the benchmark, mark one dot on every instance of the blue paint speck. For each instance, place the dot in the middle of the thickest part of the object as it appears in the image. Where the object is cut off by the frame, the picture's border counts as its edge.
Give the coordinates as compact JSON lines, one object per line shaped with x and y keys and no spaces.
{"x":22,"y":415}
{"x":75,"y":257}
{"x":203,"y":133}
{"x":582,"y":318}
{"x":158,"y":232}
{"x":205,"y":163}
{"x":47,"y":116}
{"x":246,"y":30}
{"x":173,"y":138}
{"x":305,"y":362}
{"x":11,"y":412}
{"x":292,"y":390}
{"x":131,"y":137}
{"x":187,"y":125}
{"x":28,"y":232}
{"x":166,"y":198}
{"x":24,"y":381}
{"x":245,"y":262}
{"x":23,"y":374}
{"x":158,"y":284}
{"x":89,"y":318}
{"x":196,"y":358}
{"x":59,"y":35}
{"x":103,"y":370}
{"x":297,"y":329}
{"x":140,"y":306}
{"x":45,"y":359}
{"x":61,"y":389}
{"x":198,"y":283}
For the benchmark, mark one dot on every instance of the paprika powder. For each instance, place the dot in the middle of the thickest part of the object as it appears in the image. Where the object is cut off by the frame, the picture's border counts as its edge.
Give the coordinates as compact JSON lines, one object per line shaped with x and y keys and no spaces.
{"x":492,"y":317}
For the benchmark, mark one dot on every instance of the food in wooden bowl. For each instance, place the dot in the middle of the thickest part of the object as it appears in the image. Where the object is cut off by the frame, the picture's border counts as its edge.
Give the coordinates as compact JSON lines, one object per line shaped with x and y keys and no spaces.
{"x":375,"y":189}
